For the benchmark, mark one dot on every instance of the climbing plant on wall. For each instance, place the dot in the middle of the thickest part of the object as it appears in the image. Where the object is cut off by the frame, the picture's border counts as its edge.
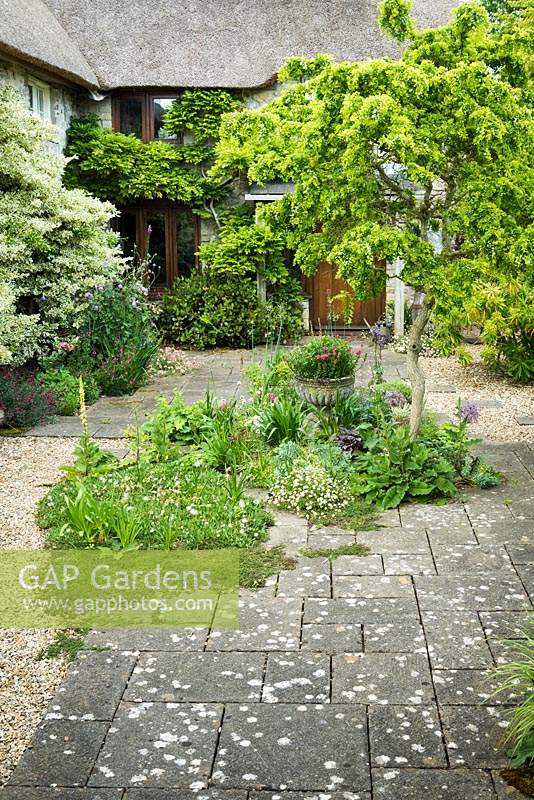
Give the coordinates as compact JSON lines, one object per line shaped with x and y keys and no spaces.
{"x":121,"y":168}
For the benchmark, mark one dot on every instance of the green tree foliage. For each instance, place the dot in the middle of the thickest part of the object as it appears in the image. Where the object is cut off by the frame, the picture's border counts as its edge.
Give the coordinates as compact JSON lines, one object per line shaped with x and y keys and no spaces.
{"x":385,"y":154}
{"x":55,"y":244}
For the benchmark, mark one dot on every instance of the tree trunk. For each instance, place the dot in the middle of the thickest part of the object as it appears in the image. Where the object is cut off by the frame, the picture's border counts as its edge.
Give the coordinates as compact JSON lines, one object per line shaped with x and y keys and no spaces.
{"x":415,"y":373}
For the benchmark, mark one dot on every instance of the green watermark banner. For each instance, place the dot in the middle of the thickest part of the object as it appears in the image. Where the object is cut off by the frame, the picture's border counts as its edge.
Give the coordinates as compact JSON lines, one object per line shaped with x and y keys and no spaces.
{"x":104,"y":588}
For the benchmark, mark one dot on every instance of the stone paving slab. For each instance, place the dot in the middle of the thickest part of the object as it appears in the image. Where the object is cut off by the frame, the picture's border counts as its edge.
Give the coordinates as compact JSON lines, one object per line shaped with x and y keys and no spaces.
{"x":395,"y":541}
{"x":358,"y":611}
{"x":49,"y":793}
{"x":294,"y":747}
{"x":265,"y":624}
{"x":62,"y":753}
{"x":456,"y":641}
{"x":437,"y":517}
{"x":474,"y":736}
{"x":129,"y":640}
{"x":184,"y":794}
{"x":489,"y":593}
{"x":402,"y":636}
{"x":352,"y":795}
{"x":357,"y":565}
{"x":330,"y":539}
{"x":93,"y":686}
{"x":332,"y":638}
{"x":471,"y":687}
{"x":406,"y":735}
{"x":526,"y":573}
{"x":514,"y":532}
{"x":159,"y":745}
{"x":414,"y":564}
{"x":372,"y":586}
{"x":451,"y":536}
{"x":197,"y":677}
{"x":310,"y":578}
{"x":381,"y":678}
{"x":435,"y":784}
{"x":521,"y":553}
{"x":506,"y":624}
{"x":461,"y":558}
{"x":297,"y":678}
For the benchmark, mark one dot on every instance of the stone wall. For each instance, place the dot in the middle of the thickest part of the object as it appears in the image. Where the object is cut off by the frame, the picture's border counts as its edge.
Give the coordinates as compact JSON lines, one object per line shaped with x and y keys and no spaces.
{"x":61,"y":100}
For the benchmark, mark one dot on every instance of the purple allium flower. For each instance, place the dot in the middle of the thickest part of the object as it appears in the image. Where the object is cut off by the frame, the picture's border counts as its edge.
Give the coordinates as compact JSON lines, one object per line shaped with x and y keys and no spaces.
{"x":468,"y":412}
{"x":394,"y":399}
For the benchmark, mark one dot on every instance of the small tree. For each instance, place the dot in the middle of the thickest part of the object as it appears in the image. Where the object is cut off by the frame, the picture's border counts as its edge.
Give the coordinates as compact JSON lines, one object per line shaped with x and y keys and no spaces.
{"x":55,"y":243}
{"x":426,"y":159}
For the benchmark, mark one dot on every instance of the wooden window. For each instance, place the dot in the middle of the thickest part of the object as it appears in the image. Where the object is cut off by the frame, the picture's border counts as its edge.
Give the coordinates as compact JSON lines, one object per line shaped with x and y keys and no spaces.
{"x":39,"y":99}
{"x":167,"y":234}
{"x":141,"y":114}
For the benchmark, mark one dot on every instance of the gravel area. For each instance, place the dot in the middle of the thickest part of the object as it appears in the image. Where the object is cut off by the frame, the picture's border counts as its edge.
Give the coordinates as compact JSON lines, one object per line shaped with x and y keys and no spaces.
{"x":475,"y":383}
{"x":28,"y":466}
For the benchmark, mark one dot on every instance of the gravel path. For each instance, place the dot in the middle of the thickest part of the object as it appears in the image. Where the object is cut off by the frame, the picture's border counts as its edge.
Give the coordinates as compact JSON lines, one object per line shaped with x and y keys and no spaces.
{"x":27,"y":466}
{"x":477,"y":384}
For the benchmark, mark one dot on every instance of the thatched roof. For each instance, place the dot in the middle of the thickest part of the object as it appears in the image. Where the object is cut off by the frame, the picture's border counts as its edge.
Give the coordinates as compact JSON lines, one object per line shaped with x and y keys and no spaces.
{"x":224,"y":43}
{"x":29,"y":31}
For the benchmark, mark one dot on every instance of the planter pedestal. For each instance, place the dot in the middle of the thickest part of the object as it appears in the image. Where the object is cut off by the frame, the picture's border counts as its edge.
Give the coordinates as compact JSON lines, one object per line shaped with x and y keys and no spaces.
{"x":323,"y":392}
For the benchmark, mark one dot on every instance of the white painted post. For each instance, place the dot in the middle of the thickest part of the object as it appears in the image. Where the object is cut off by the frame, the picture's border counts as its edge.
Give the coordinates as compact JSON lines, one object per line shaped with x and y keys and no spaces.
{"x":399,"y":299}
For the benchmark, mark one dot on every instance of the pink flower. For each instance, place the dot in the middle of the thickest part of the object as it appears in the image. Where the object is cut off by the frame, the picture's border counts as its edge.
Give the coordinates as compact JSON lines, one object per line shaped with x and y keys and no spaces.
{"x":272,"y":397}
{"x":67,"y":347}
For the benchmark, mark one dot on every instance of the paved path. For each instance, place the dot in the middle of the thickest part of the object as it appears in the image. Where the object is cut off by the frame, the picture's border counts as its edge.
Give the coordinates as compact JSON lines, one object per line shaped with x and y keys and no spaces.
{"x":368,"y":676}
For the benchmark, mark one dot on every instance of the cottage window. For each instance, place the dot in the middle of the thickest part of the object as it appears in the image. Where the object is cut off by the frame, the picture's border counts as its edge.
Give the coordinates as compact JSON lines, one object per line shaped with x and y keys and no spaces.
{"x":141,"y":114}
{"x":39,"y":99}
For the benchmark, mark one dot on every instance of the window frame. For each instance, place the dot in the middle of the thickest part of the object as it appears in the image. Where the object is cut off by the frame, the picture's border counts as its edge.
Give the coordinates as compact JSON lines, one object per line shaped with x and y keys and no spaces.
{"x":142,"y":211}
{"x":35,"y":86}
{"x":147,"y":113}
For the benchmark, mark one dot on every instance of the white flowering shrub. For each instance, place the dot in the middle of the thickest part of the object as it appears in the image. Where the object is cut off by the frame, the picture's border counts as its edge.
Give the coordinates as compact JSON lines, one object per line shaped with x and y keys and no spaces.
{"x":55,"y":243}
{"x":16,"y":330}
{"x":311,"y":491}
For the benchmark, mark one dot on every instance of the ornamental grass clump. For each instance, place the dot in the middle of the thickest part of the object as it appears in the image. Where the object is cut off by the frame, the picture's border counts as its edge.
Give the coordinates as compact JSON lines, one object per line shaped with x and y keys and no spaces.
{"x":324,"y":358}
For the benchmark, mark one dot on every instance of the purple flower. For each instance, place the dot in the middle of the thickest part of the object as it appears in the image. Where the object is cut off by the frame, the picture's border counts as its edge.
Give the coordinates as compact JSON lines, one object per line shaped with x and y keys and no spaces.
{"x":394,"y":399}
{"x":380,"y":334}
{"x":468,"y":412}
{"x":89,"y":295}
{"x":149,"y":230}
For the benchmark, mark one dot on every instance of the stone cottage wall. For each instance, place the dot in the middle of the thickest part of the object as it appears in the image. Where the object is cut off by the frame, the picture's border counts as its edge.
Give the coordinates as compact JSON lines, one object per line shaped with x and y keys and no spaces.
{"x":63,"y":99}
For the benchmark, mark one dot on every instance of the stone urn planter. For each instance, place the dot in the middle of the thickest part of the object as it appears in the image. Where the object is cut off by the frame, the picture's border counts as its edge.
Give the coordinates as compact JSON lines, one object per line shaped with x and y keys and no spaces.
{"x":323,"y":391}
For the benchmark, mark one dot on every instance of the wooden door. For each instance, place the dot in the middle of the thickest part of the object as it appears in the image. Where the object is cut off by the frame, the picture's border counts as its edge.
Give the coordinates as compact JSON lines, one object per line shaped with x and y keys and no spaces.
{"x":325,"y":285}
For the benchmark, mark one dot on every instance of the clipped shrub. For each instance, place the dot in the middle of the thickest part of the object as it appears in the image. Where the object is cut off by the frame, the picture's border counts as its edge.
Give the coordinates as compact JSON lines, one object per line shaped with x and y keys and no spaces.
{"x":202,"y":311}
{"x":23,"y":400}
